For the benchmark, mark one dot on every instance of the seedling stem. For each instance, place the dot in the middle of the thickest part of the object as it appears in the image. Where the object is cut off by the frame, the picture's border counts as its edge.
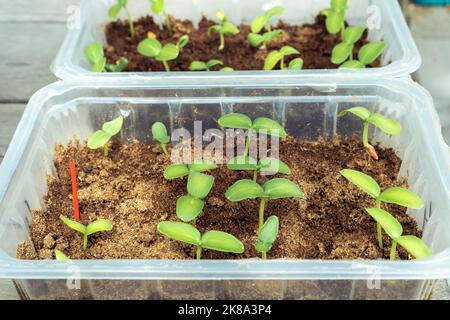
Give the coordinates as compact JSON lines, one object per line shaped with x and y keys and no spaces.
{"x":379,"y":235}
{"x":262,"y":204}
{"x":199,"y":253}
{"x":130,"y":21}
{"x":393,"y":250}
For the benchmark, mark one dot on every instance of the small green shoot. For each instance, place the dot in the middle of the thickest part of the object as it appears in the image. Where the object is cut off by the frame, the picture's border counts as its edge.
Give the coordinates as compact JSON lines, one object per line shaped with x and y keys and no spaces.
{"x":95,"y":55}
{"x":206,"y":66}
{"x":277,"y":56}
{"x":159,"y":132}
{"x":256,"y":40}
{"x":394,"y":230}
{"x":225,"y":28}
{"x":383,"y":123}
{"x":277,"y":188}
{"x":213,"y":240}
{"x":152,"y":48}
{"x":335,"y":16}
{"x":115,"y":10}
{"x":261,"y":124}
{"x":395,"y":195}
{"x":182,"y":41}
{"x":190,"y":206}
{"x":60,"y":256}
{"x":267,"y":165}
{"x":158,"y":7}
{"x":98,"y":225}
{"x":267,"y":236}
{"x":263,"y":21}
{"x":344,"y":51}
{"x":366,"y":55}
{"x":102,"y":137}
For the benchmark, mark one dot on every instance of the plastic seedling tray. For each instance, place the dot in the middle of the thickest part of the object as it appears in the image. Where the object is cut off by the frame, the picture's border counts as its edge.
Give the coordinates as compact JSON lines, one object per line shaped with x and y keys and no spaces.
{"x":307,"y":108}
{"x":401,"y":57}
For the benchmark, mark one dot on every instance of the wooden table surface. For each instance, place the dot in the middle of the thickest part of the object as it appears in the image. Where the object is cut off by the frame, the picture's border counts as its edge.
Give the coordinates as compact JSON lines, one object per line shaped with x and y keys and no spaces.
{"x":31,"y":33}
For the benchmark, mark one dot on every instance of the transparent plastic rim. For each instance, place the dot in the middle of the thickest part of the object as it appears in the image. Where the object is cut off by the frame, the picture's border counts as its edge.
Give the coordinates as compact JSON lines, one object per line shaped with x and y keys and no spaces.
{"x":437,"y":266}
{"x":411,"y":60}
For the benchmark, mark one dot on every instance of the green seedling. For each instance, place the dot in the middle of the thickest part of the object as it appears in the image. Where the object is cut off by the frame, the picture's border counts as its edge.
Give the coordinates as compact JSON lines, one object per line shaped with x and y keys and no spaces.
{"x":366,"y":55}
{"x":267,"y":165}
{"x":225,"y":28}
{"x":152,"y":48}
{"x":206,"y":66}
{"x":95,"y":55}
{"x":277,"y":56}
{"x":277,"y":188}
{"x":158,"y":7}
{"x":335,"y":16}
{"x":344,"y":51}
{"x":395,"y":195}
{"x":263,"y":21}
{"x":213,"y":240}
{"x":383,"y":123}
{"x":102,"y":137}
{"x":394,"y":230}
{"x":60,"y":256}
{"x":262,"y":124}
{"x":115,"y":10}
{"x":98,"y":225}
{"x":190,"y":206}
{"x":182,"y":41}
{"x":256,"y":40}
{"x":159,"y":132}
{"x":267,"y":236}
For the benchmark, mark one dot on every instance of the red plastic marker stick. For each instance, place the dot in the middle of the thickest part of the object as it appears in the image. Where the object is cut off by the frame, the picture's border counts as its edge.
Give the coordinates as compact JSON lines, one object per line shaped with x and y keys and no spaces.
{"x":73,"y":177}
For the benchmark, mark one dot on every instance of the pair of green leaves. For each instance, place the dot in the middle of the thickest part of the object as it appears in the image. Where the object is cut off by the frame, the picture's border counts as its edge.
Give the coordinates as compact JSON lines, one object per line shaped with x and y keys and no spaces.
{"x":344,"y":50}
{"x":95,"y":55}
{"x":395,"y":195}
{"x":264,"y":21}
{"x":383,"y":123}
{"x":261,"y":124}
{"x":267,"y":165}
{"x":255,"y":39}
{"x":101,"y":137}
{"x":198,"y":187}
{"x":159,"y":132}
{"x":394,"y":229}
{"x":366,"y":55}
{"x":152,"y":48}
{"x":206,"y":66}
{"x":335,"y":16}
{"x":98,"y":225}
{"x":225,"y":28}
{"x":277,"y":56}
{"x":114,"y":12}
{"x":213,"y":240}
{"x":277,"y":188}
{"x":267,"y":235}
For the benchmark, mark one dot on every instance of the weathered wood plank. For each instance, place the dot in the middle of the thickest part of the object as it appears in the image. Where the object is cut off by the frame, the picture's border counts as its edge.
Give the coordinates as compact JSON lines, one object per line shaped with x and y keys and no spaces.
{"x":10,"y":115}
{"x":8,"y":291}
{"x":28,"y":49}
{"x":31,"y":10}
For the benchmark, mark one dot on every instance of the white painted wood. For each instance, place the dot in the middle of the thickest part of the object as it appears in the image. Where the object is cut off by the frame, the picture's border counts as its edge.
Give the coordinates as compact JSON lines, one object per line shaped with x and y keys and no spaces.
{"x":10,"y":115}
{"x":42,"y":10}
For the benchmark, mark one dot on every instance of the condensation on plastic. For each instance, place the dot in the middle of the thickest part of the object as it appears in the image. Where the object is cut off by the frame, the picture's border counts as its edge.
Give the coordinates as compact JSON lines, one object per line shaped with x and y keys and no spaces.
{"x":307,"y":108}
{"x":401,"y":57}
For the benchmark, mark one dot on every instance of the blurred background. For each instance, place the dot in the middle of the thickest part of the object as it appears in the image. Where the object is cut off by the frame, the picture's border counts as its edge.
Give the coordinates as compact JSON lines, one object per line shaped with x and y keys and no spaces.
{"x":31,"y":33}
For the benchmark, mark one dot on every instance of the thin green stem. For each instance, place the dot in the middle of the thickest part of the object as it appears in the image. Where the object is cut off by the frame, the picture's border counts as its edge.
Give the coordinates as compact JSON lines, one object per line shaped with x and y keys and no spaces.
{"x":168,"y":24}
{"x":166,"y":65}
{"x":379,"y":236}
{"x":342,"y":31}
{"x":105,"y":150}
{"x":393,"y":250}
{"x":262,"y":203}
{"x":164,"y":148}
{"x":199,"y":253}
{"x":247,"y":142}
{"x":85,"y":241}
{"x":255,"y":175}
{"x":378,"y":203}
{"x":264,"y":255}
{"x":222,"y":41}
{"x":130,"y":22}
{"x":366,"y":134}
{"x":282,"y":63}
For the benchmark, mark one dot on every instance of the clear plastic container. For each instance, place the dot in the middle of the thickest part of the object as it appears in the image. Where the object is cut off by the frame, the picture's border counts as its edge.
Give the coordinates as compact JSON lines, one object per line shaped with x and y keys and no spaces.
{"x":307,"y":108}
{"x":401,"y":57}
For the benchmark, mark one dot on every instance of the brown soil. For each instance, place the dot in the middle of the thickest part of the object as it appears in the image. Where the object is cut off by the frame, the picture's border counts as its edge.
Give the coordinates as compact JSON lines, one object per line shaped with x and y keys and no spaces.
{"x":312,"y":40}
{"x":129,"y":189}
